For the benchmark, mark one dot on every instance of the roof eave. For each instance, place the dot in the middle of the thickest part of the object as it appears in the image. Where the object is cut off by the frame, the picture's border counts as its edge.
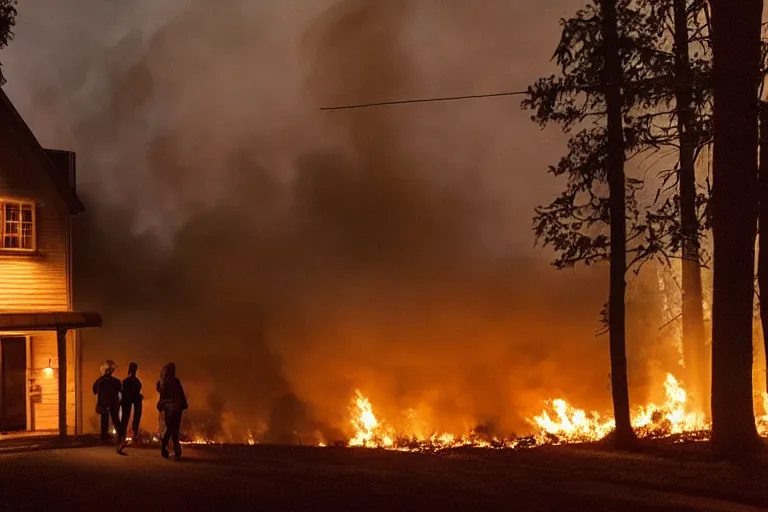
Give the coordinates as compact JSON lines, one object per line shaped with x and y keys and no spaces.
{"x":68,"y":195}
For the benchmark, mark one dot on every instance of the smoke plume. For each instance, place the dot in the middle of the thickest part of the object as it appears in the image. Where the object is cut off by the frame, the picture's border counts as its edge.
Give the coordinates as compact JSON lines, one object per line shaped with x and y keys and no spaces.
{"x":282,"y":256}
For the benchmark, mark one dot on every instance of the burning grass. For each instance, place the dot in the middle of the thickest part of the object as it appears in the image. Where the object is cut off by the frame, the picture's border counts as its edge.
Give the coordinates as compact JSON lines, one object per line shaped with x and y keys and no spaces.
{"x":559,"y":423}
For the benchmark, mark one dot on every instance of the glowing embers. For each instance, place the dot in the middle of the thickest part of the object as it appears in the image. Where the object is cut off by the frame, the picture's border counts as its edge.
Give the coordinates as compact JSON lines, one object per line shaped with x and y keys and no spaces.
{"x":198,"y":440}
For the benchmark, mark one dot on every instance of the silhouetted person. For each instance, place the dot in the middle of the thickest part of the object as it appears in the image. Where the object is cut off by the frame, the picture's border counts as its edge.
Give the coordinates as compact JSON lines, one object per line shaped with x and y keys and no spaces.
{"x":132,"y":397}
{"x":107,"y":390}
{"x":172,"y":404}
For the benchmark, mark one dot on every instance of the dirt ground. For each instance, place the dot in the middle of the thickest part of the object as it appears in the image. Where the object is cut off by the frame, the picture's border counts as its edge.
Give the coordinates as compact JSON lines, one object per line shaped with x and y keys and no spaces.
{"x":296,"y":478}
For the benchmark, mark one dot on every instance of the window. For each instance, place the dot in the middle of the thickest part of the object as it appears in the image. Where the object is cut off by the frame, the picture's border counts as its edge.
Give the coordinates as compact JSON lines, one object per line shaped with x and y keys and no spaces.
{"x":18,"y":225}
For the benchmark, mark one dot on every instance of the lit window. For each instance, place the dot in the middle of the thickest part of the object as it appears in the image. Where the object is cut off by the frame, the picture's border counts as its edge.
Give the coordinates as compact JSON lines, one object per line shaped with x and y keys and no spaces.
{"x":18,"y":224}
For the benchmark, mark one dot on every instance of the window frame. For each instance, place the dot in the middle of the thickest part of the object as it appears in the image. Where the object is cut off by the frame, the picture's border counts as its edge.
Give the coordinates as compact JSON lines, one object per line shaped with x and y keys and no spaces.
{"x":21,"y":203}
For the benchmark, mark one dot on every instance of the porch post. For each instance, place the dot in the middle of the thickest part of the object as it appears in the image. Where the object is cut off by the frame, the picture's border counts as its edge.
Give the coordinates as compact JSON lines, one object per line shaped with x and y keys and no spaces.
{"x":61,"y":338}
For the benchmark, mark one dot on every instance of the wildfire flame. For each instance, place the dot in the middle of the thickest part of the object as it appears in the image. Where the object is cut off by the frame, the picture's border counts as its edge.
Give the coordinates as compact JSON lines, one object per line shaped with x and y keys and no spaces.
{"x":652,"y":420}
{"x":570,"y":424}
{"x":369,"y":432}
{"x":559,"y":423}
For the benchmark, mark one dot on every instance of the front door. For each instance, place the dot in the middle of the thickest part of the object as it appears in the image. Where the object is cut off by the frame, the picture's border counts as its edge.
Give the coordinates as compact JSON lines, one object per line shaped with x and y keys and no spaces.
{"x":13,"y":384}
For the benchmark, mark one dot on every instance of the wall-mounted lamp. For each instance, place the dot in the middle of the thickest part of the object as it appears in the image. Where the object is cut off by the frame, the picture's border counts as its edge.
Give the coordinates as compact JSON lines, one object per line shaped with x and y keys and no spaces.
{"x":48,"y":371}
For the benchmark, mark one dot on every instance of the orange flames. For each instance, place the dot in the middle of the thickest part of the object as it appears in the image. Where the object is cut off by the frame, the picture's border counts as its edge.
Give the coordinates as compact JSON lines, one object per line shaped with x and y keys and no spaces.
{"x":559,"y":423}
{"x":652,"y":420}
{"x":368,"y":431}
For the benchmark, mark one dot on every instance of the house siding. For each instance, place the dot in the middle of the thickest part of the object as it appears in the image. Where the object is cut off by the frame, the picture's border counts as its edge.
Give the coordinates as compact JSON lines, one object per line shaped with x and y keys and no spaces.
{"x":39,"y":281}
{"x":36,"y":282}
{"x":45,"y":411}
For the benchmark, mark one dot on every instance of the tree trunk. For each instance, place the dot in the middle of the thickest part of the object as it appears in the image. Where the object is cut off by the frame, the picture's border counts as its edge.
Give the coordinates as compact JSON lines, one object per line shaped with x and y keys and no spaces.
{"x":694,"y":349}
{"x":762,"y":254}
{"x":736,"y":47}
{"x":624,"y":435}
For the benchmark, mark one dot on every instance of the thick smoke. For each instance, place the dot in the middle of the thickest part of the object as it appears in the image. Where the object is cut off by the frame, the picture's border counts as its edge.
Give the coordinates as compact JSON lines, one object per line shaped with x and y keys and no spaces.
{"x":283,"y":257}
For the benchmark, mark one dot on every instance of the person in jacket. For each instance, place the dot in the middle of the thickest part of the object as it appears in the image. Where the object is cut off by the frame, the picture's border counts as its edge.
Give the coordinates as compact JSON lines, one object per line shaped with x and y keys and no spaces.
{"x":172,"y":403}
{"x":131,"y":398}
{"x":107,"y":390}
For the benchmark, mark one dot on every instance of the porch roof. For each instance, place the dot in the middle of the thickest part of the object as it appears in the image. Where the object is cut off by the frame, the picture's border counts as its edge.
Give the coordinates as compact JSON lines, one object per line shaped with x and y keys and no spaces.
{"x":51,"y":321}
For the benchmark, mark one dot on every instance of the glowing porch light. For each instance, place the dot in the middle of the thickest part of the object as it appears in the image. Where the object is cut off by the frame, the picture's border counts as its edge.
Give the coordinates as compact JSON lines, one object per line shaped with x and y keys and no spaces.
{"x":48,"y":370}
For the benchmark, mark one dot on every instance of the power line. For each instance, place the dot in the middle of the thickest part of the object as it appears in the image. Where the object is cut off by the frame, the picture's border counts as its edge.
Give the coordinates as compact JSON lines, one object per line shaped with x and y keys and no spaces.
{"x":426,"y":100}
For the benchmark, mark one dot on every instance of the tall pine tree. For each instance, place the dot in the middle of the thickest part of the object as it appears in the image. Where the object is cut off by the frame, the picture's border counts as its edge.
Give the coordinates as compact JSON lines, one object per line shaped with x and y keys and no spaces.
{"x":694,"y":337}
{"x":737,"y":75}
{"x":607,"y":58}
{"x":684,"y":90}
{"x":7,"y":22}
{"x":613,"y":79}
{"x":667,"y":105}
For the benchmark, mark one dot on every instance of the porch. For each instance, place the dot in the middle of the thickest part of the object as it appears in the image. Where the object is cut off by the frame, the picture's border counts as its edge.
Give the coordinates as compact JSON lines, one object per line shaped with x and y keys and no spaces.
{"x":17,"y":377}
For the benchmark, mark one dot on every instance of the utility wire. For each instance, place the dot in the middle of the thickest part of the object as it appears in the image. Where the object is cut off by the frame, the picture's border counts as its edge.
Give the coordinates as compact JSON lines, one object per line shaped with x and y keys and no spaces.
{"x":425,"y":100}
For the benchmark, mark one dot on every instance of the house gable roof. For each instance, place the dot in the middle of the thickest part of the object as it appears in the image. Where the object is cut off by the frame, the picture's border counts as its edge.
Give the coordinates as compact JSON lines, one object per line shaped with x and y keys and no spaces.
{"x":10,"y":117}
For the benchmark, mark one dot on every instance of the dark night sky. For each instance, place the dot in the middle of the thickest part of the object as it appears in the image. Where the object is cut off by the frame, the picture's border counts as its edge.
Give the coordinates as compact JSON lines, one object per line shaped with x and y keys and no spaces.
{"x":268,"y":247}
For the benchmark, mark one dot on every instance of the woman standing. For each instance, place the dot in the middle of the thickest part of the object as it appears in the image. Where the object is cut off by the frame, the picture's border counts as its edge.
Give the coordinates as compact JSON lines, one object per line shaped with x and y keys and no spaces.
{"x":172,"y":404}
